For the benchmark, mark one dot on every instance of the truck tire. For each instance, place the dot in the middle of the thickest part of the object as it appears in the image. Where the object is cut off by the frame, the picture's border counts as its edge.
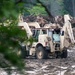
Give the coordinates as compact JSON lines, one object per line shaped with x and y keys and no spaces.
{"x":64,"y":54}
{"x":58,"y":54}
{"x":41,"y":53}
{"x":23,"y":52}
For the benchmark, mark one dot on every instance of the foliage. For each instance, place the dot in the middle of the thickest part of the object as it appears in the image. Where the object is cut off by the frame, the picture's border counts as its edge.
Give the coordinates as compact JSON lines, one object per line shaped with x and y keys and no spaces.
{"x":61,"y":4}
{"x":10,"y":10}
{"x":37,"y":10}
{"x":59,"y":7}
{"x":69,"y":6}
{"x":10,"y":33}
{"x":9,"y":42}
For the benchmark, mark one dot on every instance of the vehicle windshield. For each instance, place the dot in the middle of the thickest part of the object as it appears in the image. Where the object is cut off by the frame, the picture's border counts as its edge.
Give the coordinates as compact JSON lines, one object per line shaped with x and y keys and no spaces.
{"x":44,"y":31}
{"x":37,"y":32}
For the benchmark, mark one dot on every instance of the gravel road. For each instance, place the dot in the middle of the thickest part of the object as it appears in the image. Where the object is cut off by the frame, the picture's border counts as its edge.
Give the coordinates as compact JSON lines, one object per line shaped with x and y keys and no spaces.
{"x":52,"y":66}
{"x":49,"y":66}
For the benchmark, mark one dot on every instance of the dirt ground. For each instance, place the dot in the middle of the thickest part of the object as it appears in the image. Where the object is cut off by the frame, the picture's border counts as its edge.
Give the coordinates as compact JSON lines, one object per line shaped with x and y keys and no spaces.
{"x":52,"y":66}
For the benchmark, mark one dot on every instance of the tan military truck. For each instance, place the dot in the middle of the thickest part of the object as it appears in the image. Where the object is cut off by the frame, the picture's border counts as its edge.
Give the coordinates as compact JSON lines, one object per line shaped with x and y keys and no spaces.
{"x":52,"y":42}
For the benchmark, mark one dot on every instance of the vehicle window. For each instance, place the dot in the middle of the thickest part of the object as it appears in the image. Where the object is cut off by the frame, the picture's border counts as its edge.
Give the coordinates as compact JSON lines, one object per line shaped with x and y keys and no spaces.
{"x":36,"y":34}
{"x":44,"y":31}
{"x":62,"y":33}
{"x":49,"y":33}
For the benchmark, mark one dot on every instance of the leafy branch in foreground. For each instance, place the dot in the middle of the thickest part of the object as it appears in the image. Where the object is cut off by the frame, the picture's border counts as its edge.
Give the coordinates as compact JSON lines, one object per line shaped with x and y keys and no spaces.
{"x":8,"y":45}
{"x":8,"y":31}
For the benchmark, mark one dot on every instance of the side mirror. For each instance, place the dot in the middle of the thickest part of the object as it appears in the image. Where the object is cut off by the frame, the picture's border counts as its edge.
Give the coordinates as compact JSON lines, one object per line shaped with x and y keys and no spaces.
{"x":62,"y":33}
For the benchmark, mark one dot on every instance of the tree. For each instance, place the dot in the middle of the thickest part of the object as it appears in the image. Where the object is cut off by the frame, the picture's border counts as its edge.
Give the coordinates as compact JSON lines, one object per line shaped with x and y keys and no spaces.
{"x":11,"y":34}
{"x":46,"y":9}
{"x":69,"y":7}
{"x":37,"y":10}
{"x":55,"y":7}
